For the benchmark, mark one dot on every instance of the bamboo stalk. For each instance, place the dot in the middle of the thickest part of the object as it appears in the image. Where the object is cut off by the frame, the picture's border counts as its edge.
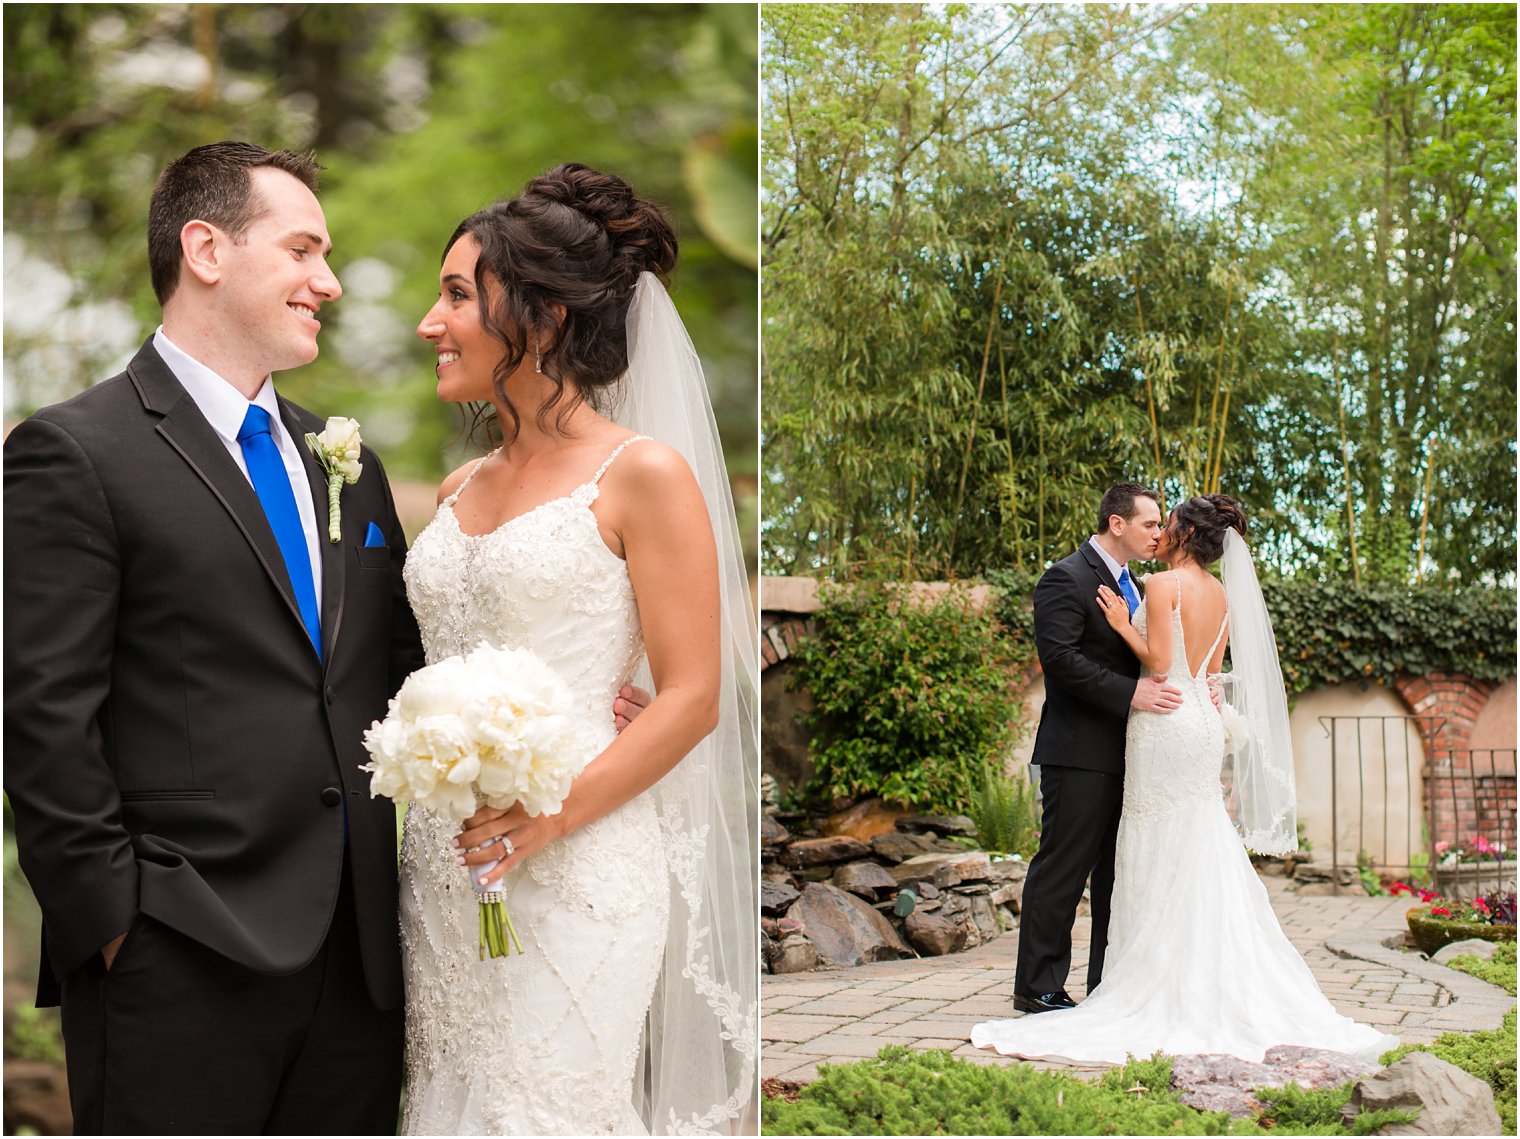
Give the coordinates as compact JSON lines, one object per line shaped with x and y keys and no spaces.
{"x":1430,"y":466}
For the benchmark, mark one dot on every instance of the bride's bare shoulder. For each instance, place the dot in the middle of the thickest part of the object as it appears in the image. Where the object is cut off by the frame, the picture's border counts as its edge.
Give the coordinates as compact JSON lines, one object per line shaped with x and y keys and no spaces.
{"x":455,"y":480}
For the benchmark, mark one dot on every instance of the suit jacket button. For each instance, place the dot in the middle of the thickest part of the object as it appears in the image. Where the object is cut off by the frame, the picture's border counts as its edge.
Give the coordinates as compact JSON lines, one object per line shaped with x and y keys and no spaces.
{"x":330,"y":694}
{"x":331,"y":796}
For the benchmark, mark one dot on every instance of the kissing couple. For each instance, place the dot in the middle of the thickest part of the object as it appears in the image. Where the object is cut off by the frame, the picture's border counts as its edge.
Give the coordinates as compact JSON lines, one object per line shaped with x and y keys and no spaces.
{"x":1187,"y":955}
{"x":201,"y":619}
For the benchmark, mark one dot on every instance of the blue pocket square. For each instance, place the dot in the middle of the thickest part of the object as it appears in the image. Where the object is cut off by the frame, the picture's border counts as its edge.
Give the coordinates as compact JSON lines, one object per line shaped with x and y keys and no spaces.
{"x":373,"y":537}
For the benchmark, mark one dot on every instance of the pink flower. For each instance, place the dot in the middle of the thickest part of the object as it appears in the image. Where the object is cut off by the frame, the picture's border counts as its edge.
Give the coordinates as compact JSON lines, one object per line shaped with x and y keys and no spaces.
{"x":1442,"y":846}
{"x":1440,"y":912}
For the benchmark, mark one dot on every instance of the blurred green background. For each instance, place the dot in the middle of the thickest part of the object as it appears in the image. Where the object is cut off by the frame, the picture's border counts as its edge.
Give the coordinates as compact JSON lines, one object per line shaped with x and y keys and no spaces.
{"x":420,"y":114}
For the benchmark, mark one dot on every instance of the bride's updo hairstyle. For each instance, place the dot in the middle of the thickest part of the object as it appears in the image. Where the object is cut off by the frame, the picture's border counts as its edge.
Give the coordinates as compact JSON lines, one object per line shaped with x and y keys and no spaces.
{"x":574,"y":238}
{"x":1202,"y":522}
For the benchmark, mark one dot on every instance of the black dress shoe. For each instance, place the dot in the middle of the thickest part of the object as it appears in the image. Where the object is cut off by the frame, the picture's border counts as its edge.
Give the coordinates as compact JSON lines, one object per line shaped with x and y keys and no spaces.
{"x":1045,"y":1002}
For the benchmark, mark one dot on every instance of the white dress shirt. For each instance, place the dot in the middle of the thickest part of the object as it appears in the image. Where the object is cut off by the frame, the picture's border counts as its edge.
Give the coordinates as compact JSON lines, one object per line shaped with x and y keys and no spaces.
{"x":225,"y":409}
{"x":1114,"y":567}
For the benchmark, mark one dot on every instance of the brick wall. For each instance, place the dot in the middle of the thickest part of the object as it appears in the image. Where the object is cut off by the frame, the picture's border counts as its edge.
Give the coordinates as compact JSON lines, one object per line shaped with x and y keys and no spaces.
{"x":1468,"y":791}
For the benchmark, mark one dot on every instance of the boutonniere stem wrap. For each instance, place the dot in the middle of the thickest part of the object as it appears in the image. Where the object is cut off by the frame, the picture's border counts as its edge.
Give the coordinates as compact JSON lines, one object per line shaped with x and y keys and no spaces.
{"x":337,"y":452}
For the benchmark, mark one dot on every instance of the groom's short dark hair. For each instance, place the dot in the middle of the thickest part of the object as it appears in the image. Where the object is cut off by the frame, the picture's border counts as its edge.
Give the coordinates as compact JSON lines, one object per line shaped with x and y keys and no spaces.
{"x":1120,"y":499}
{"x":211,"y":183}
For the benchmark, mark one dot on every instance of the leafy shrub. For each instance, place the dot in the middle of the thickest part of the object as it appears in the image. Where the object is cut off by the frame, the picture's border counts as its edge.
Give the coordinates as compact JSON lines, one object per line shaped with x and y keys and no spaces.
{"x":903,"y":1092}
{"x":1005,"y":813}
{"x":1488,"y":1055}
{"x":911,"y":698}
{"x":1496,"y":970}
{"x":1333,"y":632}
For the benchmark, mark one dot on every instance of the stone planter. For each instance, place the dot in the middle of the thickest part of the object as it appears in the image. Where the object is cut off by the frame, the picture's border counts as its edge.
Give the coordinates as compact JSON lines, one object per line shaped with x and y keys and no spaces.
{"x":1469,"y":879}
{"x":1430,"y":933}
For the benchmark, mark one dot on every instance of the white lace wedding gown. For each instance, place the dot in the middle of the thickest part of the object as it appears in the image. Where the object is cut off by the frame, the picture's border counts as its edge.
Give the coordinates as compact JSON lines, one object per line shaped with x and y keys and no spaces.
{"x":542,"y":1043}
{"x":1196,"y":960}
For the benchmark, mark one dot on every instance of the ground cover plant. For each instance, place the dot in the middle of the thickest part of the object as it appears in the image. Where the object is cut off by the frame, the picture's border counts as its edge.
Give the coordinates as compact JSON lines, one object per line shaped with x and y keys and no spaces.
{"x":904,"y":1092}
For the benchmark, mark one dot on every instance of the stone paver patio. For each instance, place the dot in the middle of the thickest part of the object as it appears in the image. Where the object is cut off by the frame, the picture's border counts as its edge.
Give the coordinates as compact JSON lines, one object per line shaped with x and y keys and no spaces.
{"x":846,"y":1014}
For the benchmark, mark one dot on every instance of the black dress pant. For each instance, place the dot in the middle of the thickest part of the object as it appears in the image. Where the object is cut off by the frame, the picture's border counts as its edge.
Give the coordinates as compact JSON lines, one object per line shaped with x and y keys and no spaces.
{"x":1079,"y":826}
{"x":176,"y":1039}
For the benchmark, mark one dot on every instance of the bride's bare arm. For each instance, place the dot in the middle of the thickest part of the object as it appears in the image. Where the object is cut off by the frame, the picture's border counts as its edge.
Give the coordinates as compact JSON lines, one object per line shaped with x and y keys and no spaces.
{"x":650,"y":500}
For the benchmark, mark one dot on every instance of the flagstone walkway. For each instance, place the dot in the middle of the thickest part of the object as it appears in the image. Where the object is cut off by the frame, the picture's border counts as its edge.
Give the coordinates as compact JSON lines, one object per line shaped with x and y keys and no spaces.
{"x":846,"y":1014}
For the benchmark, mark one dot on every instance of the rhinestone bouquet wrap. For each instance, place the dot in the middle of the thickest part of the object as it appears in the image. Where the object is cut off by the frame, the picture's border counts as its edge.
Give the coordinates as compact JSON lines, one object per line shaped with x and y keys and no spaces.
{"x":491,"y":728}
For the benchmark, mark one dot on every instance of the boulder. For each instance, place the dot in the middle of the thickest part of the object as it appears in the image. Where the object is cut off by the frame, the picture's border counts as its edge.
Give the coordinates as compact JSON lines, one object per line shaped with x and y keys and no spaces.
{"x":867,"y":879}
{"x":1450,"y":1101}
{"x":777,"y":897}
{"x":933,"y":935}
{"x":944,"y":869}
{"x":937,"y":824}
{"x":896,"y":846}
{"x":1474,"y":945}
{"x":984,"y":917}
{"x":772,"y":833}
{"x":864,"y":821}
{"x":1216,"y":1082}
{"x":1007,"y":869}
{"x":806,"y":852}
{"x":1010,"y":894}
{"x":794,"y":954}
{"x":845,"y":930}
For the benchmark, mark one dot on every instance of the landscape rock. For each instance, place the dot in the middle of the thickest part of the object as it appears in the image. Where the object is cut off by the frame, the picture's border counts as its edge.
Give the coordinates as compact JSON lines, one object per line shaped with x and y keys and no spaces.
{"x":806,"y":852}
{"x":896,"y":847}
{"x":944,"y":869}
{"x":1473,"y":945}
{"x":772,"y":833}
{"x":1451,"y":1102}
{"x":864,"y":821}
{"x":867,"y":879}
{"x":1010,"y":894}
{"x":1007,"y":869}
{"x":934,"y":935}
{"x":845,"y":930}
{"x":776,"y":897}
{"x":794,"y":954}
{"x":1216,"y":1082}
{"x":937,"y":824}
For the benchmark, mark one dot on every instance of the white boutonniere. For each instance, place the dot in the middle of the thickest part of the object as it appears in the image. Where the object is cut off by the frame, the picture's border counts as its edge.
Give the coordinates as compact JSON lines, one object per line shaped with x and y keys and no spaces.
{"x":337,"y":452}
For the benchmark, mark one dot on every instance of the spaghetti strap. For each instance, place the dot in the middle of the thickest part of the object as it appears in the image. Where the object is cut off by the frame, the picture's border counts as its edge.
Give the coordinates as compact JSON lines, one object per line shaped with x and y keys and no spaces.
{"x":451,"y":499}
{"x":602,"y":470}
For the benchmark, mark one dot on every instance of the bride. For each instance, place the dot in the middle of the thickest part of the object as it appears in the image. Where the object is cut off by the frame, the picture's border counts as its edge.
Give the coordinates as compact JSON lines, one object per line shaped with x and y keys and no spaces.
{"x":1196,"y":960}
{"x":601,"y":536}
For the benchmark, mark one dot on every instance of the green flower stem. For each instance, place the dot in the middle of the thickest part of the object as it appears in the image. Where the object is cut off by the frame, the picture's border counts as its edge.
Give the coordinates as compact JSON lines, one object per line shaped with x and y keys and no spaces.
{"x":334,"y":519}
{"x":498,"y":937}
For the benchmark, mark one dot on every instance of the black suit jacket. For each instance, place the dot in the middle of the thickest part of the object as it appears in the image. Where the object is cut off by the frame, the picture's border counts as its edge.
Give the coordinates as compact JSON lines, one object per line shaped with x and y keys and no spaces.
{"x":1090,"y":673}
{"x":173,"y":744}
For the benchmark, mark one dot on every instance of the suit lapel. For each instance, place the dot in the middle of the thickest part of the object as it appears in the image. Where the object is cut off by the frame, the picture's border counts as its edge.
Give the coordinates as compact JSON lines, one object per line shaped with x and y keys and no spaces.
{"x":331,"y":552}
{"x":186,"y":430}
{"x":1100,"y":567}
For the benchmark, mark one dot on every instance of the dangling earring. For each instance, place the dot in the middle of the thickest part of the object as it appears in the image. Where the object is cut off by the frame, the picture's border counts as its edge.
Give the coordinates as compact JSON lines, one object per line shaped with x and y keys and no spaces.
{"x":538,"y":360}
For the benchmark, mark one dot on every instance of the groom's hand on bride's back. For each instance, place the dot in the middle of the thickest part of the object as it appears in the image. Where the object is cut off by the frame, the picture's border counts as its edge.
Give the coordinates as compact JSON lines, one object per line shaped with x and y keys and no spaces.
{"x":629,"y":703}
{"x":1154,"y":694}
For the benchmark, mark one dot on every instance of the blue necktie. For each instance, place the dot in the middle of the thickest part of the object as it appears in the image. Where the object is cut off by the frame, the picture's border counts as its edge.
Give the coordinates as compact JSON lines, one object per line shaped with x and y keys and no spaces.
{"x":272,"y":485}
{"x":1131,"y":594}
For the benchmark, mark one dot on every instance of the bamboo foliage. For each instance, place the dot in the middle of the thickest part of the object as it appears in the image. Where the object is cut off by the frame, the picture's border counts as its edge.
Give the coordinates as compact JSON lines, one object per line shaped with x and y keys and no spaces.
{"x":987,"y":298}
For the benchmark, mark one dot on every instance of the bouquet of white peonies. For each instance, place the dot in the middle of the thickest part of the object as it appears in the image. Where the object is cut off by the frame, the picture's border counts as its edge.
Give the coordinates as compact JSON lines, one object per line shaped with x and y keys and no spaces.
{"x":492,"y":728}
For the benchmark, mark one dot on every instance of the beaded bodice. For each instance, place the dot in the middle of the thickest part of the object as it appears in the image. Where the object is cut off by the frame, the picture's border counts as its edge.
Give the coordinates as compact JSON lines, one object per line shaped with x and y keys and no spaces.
{"x":544,"y":580}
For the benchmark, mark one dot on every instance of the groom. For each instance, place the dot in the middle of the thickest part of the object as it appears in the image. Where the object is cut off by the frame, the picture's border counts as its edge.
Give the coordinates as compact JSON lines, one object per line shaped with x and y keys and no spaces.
{"x":1091,"y":683}
{"x":190,"y":665}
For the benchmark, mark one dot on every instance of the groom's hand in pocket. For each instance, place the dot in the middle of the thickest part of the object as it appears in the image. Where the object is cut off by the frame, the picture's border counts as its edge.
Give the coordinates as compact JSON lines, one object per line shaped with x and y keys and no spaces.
{"x":1154,"y":694}
{"x":110,"y":949}
{"x":629,"y":703}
